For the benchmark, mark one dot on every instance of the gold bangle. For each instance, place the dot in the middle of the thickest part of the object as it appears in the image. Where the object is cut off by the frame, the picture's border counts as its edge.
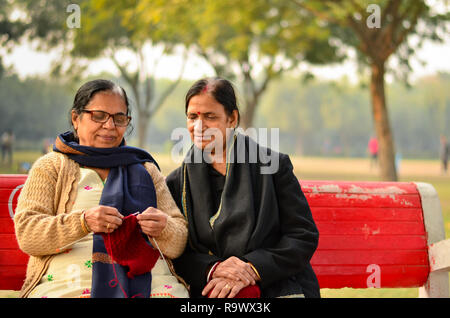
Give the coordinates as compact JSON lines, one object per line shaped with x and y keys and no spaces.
{"x":254,"y":269}
{"x":84,"y":223}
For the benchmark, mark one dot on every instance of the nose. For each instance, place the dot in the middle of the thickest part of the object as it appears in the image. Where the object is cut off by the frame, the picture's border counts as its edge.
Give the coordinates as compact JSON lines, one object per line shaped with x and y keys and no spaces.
{"x":198,"y":125}
{"x":109,"y":123}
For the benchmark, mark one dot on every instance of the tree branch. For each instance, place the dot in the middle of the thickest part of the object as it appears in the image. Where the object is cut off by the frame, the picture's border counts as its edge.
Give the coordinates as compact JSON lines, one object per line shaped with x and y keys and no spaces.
{"x":129,"y":78}
{"x":171,"y":88}
{"x":397,"y":41}
{"x":366,"y":45}
{"x":385,"y":38}
{"x":390,"y":7}
{"x":319,"y":14}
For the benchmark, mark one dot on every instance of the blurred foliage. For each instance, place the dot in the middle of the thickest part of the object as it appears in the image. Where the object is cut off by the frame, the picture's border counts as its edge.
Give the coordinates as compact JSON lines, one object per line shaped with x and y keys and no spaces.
{"x":33,"y":109}
{"x":250,"y":42}
{"x":317,"y":118}
{"x":109,"y":27}
{"x":378,"y":31}
{"x":11,"y":30}
{"x":106,"y":28}
{"x":254,"y":43}
{"x":400,"y":21}
{"x":268,"y":33}
{"x":45,"y":21}
{"x":334,"y":119}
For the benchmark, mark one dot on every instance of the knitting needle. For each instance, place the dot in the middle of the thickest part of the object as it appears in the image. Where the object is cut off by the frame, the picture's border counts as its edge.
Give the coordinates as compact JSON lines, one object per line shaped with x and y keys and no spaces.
{"x":157,"y":246}
{"x":68,"y":245}
{"x":153,"y":239}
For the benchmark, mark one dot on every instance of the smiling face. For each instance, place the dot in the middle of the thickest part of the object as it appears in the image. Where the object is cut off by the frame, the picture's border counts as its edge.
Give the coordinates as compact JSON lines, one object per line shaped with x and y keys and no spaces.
{"x":207,"y":120}
{"x":100,"y":135}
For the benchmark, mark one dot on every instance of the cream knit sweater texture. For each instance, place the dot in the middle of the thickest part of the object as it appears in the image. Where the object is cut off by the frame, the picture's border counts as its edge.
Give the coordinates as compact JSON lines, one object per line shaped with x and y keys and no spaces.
{"x":44,"y":221}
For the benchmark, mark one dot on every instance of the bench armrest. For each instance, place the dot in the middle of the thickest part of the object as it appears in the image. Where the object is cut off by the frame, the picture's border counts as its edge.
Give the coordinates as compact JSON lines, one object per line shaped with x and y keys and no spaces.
{"x":437,"y":284}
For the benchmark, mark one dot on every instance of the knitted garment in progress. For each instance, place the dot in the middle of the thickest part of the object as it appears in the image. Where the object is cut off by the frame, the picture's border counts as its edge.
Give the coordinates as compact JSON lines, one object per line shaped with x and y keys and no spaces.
{"x":127,"y":247}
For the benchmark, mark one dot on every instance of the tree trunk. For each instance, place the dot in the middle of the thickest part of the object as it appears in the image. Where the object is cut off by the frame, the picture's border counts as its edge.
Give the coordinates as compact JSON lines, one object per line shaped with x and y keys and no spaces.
{"x":143,"y":121}
{"x":386,"y":153}
{"x":249,"y":113}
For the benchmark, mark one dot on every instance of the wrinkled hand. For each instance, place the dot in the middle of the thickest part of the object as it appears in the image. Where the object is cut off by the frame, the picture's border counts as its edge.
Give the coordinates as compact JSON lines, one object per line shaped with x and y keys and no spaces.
{"x":103,"y":219}
{"x":236,"y":269}
{"x":223,"y":288}
{"x":152,"y":221}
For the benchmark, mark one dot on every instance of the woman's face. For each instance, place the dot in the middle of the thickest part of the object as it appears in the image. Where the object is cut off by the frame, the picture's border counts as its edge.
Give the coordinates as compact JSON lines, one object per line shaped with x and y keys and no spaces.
{"x":207,"y":121}
{"x":100,"y":135}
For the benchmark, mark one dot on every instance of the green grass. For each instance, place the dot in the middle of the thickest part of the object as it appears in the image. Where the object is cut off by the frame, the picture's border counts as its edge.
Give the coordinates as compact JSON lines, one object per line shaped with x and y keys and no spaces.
{"x":353,"y":169}
{"x":9,"y":294}
{"x":19,"y":157}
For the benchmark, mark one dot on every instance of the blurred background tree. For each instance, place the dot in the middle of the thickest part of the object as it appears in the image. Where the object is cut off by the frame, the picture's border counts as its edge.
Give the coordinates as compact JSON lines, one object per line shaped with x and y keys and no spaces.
{"x":263,"y":46}
{"x":11,"y":29}
{"x":108,"y":29}
{"x":111,"y":27}
{"x":378,"y":31}
{"x":251,"y":42}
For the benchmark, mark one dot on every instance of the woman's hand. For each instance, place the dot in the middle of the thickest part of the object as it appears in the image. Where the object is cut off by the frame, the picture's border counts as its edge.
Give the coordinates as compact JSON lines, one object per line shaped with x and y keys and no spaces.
{"x":223,"y":287}
{"x":103,"y":219}
{"x":152,"y":221}
{"x":235,"y":269}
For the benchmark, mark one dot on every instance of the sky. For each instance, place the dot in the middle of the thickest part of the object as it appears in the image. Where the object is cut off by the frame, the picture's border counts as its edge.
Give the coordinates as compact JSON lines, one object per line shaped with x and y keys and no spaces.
{"x":28,"y":62}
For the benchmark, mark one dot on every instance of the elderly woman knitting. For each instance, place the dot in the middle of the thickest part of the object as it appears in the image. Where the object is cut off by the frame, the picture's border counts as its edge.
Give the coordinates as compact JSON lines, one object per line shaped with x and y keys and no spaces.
{"x":95,"y":215}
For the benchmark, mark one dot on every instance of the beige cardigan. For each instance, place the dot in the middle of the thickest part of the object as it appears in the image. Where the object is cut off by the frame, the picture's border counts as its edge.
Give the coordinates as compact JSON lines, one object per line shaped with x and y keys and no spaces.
{"x":44,"y":220}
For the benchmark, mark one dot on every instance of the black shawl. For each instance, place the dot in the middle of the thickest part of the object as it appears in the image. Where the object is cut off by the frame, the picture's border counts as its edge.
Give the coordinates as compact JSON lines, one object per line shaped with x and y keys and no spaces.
{"x":263,"y":218}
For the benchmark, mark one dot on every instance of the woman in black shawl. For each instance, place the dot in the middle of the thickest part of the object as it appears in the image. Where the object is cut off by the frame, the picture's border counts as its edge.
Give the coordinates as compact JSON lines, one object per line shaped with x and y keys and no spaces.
{"x":251,"y":232}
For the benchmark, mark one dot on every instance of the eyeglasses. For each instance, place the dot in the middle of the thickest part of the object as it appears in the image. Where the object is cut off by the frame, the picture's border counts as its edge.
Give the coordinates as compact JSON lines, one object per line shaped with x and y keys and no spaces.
{"x":99,"y":116}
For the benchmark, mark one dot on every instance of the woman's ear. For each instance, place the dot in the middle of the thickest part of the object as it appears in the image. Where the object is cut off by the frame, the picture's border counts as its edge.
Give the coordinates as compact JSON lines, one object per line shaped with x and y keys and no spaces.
{"x":234,"y":119}
{"x":75,"y":118}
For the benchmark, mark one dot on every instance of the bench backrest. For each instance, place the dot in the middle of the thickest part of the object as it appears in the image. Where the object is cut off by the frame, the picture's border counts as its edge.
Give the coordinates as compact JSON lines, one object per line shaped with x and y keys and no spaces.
{"x":372,"y":234}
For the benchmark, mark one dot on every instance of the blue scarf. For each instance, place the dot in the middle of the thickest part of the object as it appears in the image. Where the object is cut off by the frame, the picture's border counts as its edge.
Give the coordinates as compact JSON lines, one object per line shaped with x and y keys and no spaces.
{"x":129,"y":188}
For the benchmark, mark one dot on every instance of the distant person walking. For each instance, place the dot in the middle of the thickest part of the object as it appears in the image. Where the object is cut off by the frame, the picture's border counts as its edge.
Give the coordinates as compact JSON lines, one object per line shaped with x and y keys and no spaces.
{"x":443,"y":154}
{"x":7,"y":145}
{"x":373,"y":151}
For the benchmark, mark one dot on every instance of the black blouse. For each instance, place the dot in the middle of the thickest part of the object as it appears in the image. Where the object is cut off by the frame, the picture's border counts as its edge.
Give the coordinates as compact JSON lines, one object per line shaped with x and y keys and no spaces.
{"x":217,"y":183}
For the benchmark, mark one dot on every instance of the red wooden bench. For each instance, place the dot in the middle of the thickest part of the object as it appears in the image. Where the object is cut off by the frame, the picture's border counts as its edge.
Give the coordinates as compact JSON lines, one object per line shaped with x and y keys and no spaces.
{"x":372,"y":234}
{"x":13,"y":262}
{"x":379,"y":234}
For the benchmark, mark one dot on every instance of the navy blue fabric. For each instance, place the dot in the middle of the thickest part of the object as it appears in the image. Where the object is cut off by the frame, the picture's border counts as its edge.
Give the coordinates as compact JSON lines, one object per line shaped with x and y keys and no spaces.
{"x":103,"y":157}
{"x":129,"y":188}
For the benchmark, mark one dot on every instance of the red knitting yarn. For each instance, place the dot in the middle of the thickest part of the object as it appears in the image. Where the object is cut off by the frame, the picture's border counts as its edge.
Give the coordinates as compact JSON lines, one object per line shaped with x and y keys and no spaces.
{"x":127,"y":247}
